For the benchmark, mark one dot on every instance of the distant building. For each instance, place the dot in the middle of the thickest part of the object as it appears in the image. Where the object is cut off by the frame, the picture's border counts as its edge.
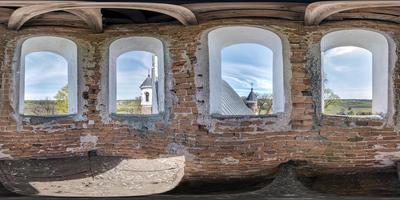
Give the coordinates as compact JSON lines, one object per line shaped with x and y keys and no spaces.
{"x":148,"y":104}
{"x":233,"y":104}
{"x":146,"y":89}
{"x":251,"y":101}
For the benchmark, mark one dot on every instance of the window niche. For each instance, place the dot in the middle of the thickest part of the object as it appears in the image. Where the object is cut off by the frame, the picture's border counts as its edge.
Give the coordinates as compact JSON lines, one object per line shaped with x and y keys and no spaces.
{"x":48,"y":77}
{"x":136,"y":76}
{"x":245,"y":71}
{"x":355,"y":73}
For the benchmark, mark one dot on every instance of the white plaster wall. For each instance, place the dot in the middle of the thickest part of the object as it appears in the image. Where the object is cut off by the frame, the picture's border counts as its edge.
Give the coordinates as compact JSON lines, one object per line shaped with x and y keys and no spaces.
{"x":124,"y":45}
{"x":61,"y":46}
{"x":226,"y":36}
{"x":378,"y":45}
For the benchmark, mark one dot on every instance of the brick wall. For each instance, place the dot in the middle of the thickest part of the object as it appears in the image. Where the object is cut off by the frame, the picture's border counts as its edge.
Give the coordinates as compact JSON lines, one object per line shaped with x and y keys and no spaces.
{"x":214,"y":147}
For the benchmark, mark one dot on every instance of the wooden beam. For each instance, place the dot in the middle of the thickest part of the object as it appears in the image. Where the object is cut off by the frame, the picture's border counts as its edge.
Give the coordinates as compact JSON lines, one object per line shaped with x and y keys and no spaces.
{"x":5,"y":14}
{"x":209,"y":7}
{"x":56,"y":19}
{"x":364,"y":15}
{"x":206,"y":11}
{"x":277,"y":14}
{"x":23,"y":14}
{"x":317,"y":12}
{"x":92,"y":17}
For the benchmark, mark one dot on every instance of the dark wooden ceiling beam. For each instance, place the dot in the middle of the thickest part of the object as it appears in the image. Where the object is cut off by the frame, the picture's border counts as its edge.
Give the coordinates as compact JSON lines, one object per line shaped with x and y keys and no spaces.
{"x":135,"y":16}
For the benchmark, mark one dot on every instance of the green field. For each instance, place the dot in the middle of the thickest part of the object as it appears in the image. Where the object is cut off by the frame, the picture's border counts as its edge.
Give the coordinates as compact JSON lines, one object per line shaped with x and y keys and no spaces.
{"x":45,"y":107}
{"x":128,"y":107}
{"x":350,"y":107}
{"x":49,"y":107}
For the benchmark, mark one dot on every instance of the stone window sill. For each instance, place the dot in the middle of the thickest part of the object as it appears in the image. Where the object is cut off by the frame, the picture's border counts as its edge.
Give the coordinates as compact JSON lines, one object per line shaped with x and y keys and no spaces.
{"x":256,"y":124}
{"x":219,"y":116}
{"x":353,"y":121}
{"x":36,"y":119}
{"x":141,"y":122}
{"x":136,"y":116}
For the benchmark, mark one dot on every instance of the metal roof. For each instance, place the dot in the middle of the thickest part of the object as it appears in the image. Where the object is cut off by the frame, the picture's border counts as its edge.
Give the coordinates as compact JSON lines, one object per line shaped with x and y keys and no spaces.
{"x":231,"y":102}
{"x":147,"y":83}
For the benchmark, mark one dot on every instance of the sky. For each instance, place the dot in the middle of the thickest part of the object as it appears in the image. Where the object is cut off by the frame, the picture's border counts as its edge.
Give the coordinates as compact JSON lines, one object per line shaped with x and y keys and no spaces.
{"x":45,"y":74}
{"x":348,"y":71}
{"x":247,"y":63}
{"x":132,"y":69}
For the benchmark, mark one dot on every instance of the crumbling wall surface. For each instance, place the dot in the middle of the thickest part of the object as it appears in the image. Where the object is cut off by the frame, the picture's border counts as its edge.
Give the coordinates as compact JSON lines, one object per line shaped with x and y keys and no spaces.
{"x":214,"y":147}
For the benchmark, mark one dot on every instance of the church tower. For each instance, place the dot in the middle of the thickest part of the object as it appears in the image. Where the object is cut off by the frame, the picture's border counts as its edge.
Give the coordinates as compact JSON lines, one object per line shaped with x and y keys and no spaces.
{"x":148,"y":103}
{"x":146,"y":89}
{"x":251,"y":100}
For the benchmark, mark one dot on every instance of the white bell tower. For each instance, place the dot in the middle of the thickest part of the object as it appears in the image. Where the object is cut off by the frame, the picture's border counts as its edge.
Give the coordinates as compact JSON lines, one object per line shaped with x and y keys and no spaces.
{"x":148,"y":103}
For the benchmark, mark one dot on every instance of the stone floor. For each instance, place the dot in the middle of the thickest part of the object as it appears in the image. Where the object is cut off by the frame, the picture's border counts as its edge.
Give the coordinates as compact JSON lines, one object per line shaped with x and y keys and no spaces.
{"x":285,"y":185}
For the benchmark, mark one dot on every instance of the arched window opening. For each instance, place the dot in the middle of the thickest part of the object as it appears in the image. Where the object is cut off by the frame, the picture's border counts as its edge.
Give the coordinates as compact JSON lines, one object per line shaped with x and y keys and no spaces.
{"x":48,"y":77}
{"x":355,"y":73}
{"x":347,"y":81}
{"x":136,"y":76}
{"x":245,"y":71}
{"x":137,"y":80}
{"x":46,"y":84}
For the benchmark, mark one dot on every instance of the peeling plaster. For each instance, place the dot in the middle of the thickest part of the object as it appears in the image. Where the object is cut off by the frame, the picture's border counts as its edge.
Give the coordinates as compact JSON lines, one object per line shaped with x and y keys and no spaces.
{"x":178,"y":149}
{"x":378,"y":146}
{"x":387,"y":159}
{"x":230,"y":161}
{"x":3,"y":154}
{"x":87,"y":143}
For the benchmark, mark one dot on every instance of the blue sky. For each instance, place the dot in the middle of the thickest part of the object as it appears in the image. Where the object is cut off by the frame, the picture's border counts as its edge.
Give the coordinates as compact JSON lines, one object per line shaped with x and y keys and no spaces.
{"x":349,"y":72}
{"x":45,"y":74}
{"x":132,"y":69}
{"x":246,"y":63}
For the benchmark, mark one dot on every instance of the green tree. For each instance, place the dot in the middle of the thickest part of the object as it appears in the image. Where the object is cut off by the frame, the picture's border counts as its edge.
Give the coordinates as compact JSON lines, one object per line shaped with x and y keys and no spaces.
{"x":61,"y":105}
{"x":41,"y":107}
{"x":330,"y":98}
{"x":264,"y":104}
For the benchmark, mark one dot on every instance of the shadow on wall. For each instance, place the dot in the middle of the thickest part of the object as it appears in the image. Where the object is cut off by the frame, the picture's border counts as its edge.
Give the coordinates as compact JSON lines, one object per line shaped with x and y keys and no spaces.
{"x":293,"y":179}
{"x":92,"y":176}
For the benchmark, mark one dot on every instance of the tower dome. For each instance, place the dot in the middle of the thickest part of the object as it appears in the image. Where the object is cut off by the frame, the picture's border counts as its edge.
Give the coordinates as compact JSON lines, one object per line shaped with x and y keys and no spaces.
{"x":251,"y":100}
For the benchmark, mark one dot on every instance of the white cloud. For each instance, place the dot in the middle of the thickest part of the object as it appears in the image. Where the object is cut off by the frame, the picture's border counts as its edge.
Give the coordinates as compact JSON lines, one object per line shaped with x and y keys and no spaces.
{"x":341,"y":51}
{"x":45,"y":74}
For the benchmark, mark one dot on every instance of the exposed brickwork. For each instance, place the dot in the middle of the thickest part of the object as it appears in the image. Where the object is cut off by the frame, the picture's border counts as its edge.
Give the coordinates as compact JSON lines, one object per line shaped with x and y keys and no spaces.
{"x":214,"y":147}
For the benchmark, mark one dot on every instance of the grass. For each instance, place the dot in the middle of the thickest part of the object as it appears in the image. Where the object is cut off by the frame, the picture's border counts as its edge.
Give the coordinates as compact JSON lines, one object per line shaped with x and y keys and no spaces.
{"x":48,"y":107}
{"x":42,"y":108}
{"x":129,"y":107}
{"x":350,"y":107}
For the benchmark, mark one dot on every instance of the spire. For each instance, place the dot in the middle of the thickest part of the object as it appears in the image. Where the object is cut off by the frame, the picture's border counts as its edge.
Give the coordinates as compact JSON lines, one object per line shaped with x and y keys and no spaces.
{"x":252,"y":97}
{"x":147,"y":83}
